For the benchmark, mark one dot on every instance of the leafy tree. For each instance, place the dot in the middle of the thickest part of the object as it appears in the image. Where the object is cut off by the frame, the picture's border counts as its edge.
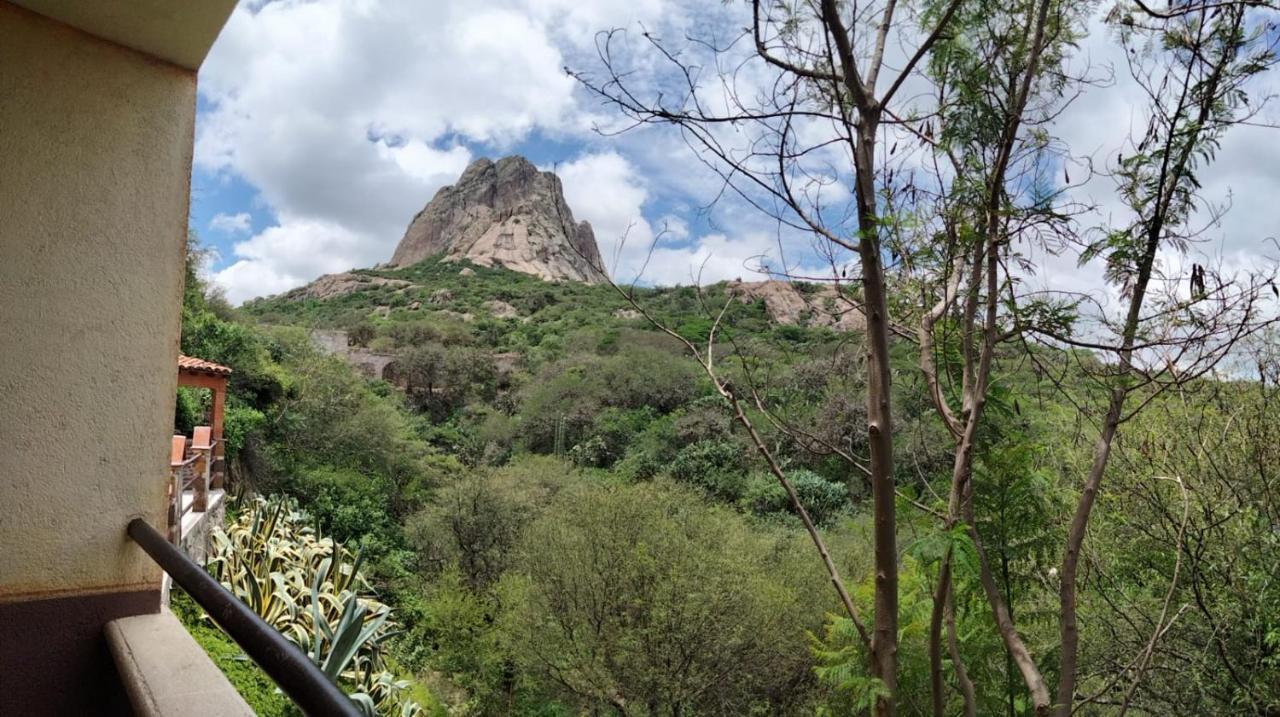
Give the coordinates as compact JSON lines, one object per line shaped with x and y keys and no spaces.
{"x":646,"y":601}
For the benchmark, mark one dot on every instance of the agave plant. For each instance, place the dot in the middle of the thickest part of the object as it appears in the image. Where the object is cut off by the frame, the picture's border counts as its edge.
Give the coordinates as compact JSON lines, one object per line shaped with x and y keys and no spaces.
{"x":310,"y":588}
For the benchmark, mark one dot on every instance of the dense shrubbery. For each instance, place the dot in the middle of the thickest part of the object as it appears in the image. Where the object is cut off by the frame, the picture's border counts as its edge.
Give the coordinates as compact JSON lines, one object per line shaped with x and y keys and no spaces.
{"x":646,"y":594}
{"x":567,"y":520}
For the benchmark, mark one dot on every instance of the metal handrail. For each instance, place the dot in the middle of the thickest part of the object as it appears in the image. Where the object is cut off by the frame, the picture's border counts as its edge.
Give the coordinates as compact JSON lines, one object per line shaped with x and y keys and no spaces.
{"x":187,"y":482}
{"x":185,"y":479}
{"x":283,"y":661}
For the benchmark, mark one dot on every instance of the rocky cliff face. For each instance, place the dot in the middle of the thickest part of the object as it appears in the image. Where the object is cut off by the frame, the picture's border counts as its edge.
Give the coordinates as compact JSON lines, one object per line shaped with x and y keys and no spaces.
{"x":504,"y":213}
{"x":785,"y":304}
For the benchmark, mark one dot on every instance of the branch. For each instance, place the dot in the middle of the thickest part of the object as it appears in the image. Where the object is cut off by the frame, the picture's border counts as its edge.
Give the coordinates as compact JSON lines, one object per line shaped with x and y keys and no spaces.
{"x":763,"y":51}
{"x":921,"y":51}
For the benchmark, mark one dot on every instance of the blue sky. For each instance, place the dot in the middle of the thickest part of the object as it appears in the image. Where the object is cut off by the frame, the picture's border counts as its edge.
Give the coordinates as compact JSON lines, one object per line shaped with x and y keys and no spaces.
{"x":324,"y":125}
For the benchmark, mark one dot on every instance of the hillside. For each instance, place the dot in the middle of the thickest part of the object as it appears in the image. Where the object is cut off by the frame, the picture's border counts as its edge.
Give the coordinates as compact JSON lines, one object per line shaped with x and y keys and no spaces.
{"x":525,"y":435}
{"x":516,"y":308}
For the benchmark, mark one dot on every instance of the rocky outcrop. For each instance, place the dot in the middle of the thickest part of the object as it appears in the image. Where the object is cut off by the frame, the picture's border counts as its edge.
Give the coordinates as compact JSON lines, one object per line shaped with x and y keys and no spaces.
{"x":504,"y":213}
{"x":333,"y":285}
{"x":501,"y":309}
{"x":787,"y":304}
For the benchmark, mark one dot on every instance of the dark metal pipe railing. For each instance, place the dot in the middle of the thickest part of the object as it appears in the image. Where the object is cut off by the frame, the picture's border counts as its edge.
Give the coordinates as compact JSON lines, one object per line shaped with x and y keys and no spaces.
{"x":282,"y":660}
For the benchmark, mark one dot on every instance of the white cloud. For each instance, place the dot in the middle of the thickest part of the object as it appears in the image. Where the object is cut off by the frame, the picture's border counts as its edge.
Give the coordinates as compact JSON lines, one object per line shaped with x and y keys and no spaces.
{"x":347,"y":115}
{"x":230,"y":223}
{"x":340,"y":114}
{"x":607,"y":190}
{"x":287,"y":255}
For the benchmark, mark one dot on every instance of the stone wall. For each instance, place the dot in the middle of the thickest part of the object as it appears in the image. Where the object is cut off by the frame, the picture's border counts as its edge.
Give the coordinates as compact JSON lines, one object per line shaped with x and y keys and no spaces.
{"x":197,"y":541}
{"x":372,"y":364}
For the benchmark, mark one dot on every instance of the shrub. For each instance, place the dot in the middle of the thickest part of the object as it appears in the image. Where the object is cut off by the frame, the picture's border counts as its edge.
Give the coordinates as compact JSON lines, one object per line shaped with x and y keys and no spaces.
{"x":560,"y":404}
{"x":189,"y":410}
{"x":474,"y":522}
{"x":647,"y":591}
{"x":361,"y":334}
{"x":821,"y":498}
{"x":312,"y":591}
{"x":239,"y":423}
{"x":351,"y":506}
{"x":651,"y":451}
{"x":250,"y":681}
{"x":611,"y":434}
{"x":715,"y":466}
{"x":646,"y":377}
{"x":704,"y":419}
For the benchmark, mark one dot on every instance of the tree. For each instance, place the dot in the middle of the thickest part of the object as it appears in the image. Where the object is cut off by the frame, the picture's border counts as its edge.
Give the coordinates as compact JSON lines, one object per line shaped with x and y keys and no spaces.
{"x":439,"y":379}
{"x":994,"y":70}
{"x":647,"y":601}
{"x":1202,"y":60}
{"x":996,"y":79}
{"x":828,"y":60}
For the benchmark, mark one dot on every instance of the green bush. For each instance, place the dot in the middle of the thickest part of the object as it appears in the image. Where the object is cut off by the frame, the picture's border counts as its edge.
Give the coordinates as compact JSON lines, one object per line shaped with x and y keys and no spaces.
{"x":239,"y":423}
{"x":651,"y":451}
{"x":717,"y":467}
{"x":821,"y":498}
{"x":249,"y":680}
{"x":646,"y":590}
{"x":474,"y":521}
{"x":312,"y":590}
{"x":189,"y":411}
{"x":611,"y":434}
{"x":652,"y":378}
{"x":352,"y":507}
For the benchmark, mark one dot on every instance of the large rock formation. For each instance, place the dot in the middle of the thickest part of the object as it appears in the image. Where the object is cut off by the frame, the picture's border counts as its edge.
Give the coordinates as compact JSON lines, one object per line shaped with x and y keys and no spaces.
{"x":504,"y":213}
{"x":786,"y":304}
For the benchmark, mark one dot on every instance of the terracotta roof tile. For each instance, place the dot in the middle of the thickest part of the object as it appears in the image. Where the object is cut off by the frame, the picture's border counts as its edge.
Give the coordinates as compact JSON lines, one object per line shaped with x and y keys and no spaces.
{"x":196,"y":365}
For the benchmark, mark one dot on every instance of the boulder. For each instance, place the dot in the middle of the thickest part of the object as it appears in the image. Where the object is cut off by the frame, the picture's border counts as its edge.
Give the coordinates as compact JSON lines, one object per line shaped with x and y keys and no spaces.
{"x":501,"y":309}
{"x":334,"y":285}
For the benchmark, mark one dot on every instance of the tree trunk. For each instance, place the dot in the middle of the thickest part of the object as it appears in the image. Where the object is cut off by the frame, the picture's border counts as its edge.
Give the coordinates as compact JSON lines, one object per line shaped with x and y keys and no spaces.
{"x":1070,"y":631}
{"x":937,"y":690}
{"x":884,"y":642}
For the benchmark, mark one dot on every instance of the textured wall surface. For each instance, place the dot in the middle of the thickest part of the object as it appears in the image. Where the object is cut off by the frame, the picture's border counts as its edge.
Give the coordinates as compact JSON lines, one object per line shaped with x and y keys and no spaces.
{"x":179,"y":32}
{"x":95,"y":156}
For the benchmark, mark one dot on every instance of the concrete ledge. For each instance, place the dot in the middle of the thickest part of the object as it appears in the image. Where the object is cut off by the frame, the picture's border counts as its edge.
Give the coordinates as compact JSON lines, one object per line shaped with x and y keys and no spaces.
{"x":165,"y":671}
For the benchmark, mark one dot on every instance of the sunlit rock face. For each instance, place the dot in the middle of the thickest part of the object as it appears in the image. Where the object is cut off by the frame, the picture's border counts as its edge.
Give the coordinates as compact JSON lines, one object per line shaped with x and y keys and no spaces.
{"x":504,"y":213}
{"x":785,"y":303}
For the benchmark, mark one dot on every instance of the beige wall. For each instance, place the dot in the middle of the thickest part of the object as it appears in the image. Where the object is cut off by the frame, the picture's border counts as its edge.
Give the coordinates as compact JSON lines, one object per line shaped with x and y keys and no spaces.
{"x":95,"y":155}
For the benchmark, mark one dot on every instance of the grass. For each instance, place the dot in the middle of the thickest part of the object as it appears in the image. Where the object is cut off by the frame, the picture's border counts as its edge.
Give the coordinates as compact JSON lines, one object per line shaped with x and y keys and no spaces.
{"x":249,"y":680}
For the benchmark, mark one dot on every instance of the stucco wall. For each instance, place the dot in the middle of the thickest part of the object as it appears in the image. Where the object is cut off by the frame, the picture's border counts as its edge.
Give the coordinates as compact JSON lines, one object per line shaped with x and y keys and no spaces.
{"x":95,"y":155}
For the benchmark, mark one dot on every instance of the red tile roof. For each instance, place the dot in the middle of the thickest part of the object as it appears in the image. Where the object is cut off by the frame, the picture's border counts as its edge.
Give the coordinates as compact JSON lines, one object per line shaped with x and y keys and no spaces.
{"x":196,"y":365}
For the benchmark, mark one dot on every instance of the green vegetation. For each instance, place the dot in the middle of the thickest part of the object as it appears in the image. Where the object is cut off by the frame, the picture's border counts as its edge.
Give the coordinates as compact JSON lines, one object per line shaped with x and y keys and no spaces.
{"x":249,"y":680}
{"x":985,"y":499}
{"x":312,"y":590}
{"x":570,"y":521}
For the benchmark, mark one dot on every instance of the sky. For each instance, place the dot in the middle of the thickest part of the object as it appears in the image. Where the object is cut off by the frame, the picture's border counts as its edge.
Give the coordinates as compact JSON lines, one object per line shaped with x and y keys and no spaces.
{"x":323,"y":126}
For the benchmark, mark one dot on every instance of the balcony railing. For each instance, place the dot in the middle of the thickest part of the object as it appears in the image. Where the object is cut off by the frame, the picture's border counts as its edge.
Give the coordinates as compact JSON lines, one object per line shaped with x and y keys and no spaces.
{"x":195,"y":466}
{"x":284,"y":662}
